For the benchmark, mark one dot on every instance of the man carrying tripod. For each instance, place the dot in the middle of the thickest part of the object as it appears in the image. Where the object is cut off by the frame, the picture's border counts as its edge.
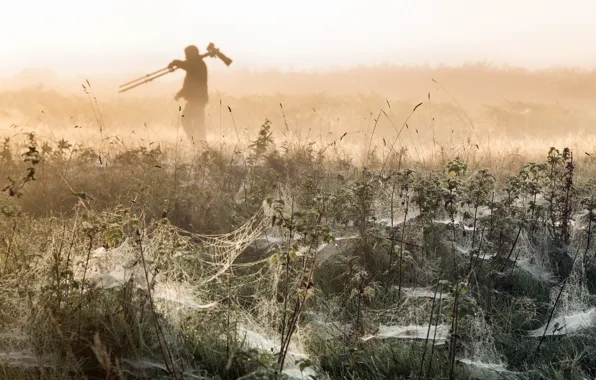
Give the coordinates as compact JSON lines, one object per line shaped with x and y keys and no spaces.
{"x":194,"y":89}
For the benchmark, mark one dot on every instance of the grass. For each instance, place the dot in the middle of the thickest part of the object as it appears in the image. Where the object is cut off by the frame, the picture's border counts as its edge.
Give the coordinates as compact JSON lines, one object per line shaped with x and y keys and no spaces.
{"x":122,"y":259}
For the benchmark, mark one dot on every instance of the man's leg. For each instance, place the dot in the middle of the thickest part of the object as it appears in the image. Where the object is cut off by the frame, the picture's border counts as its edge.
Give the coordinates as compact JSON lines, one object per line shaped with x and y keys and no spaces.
{"x":194,"y":122}
{"x":201,"y":134}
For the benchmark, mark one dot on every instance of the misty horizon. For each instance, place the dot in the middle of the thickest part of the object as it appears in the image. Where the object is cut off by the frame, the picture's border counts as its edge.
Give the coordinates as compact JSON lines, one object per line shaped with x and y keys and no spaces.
{"x":112,"y":38}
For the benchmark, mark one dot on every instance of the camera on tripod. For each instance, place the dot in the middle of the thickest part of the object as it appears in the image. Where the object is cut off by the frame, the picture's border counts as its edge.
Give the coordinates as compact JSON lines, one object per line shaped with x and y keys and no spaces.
{"x":214,"y":52}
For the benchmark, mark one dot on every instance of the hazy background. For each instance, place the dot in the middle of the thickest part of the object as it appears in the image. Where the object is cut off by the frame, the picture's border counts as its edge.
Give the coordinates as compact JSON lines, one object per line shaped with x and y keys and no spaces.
{"x":481,"y":68}
{"x":113,"y":36}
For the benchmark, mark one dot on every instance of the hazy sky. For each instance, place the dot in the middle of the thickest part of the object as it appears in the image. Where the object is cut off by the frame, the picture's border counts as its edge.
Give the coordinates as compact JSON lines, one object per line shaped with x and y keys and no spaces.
{"x":114,"y":36}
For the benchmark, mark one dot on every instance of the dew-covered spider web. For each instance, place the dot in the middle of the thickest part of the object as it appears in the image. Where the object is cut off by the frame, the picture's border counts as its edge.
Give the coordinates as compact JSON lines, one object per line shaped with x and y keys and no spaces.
{"x":229,"y":281}
{"x":196,"y":274}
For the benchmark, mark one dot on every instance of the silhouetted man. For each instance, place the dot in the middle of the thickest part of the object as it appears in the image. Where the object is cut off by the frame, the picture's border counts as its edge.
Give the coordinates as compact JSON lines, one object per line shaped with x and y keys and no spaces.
{"x":194,"y":91}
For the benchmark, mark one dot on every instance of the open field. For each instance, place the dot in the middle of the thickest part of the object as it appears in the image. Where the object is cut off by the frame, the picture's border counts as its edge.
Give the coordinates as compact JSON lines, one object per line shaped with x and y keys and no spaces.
{"x":442,"y":230}
{"x":509,"y":111}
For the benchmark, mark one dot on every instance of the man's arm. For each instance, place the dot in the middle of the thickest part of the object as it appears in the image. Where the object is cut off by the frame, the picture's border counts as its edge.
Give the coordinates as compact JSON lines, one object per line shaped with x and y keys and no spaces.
{"x":177,"y":63}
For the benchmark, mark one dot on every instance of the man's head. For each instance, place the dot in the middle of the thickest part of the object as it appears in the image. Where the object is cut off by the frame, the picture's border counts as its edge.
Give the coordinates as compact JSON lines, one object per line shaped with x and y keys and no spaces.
{"x":191,"y":51}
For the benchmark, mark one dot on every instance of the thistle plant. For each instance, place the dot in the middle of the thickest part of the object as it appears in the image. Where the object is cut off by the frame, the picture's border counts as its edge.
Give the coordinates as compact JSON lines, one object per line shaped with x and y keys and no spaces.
{"x":405,"y":179}
{"x":427,"y":196}
{"x":364,"y":190}
{"x":32,"y":157}
{"x":298,"y":268}
{"x":360,"y":291}
{"x":560,"y":195}
{"x":452,"y":183}
{"x":478,"y":193}
{"x":532,"y":178}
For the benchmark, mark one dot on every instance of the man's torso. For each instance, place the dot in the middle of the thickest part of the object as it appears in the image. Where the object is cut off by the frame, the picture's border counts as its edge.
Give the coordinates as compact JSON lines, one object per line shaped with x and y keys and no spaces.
{"x":195,"y":87}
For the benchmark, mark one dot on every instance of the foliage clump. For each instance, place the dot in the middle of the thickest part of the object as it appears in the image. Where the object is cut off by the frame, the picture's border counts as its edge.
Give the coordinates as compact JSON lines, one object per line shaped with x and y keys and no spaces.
{"x":352,"y":272}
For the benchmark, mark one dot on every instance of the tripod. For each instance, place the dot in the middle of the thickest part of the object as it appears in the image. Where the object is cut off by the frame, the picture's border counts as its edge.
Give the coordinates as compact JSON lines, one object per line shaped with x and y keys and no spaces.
{"x":212,"y":51}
